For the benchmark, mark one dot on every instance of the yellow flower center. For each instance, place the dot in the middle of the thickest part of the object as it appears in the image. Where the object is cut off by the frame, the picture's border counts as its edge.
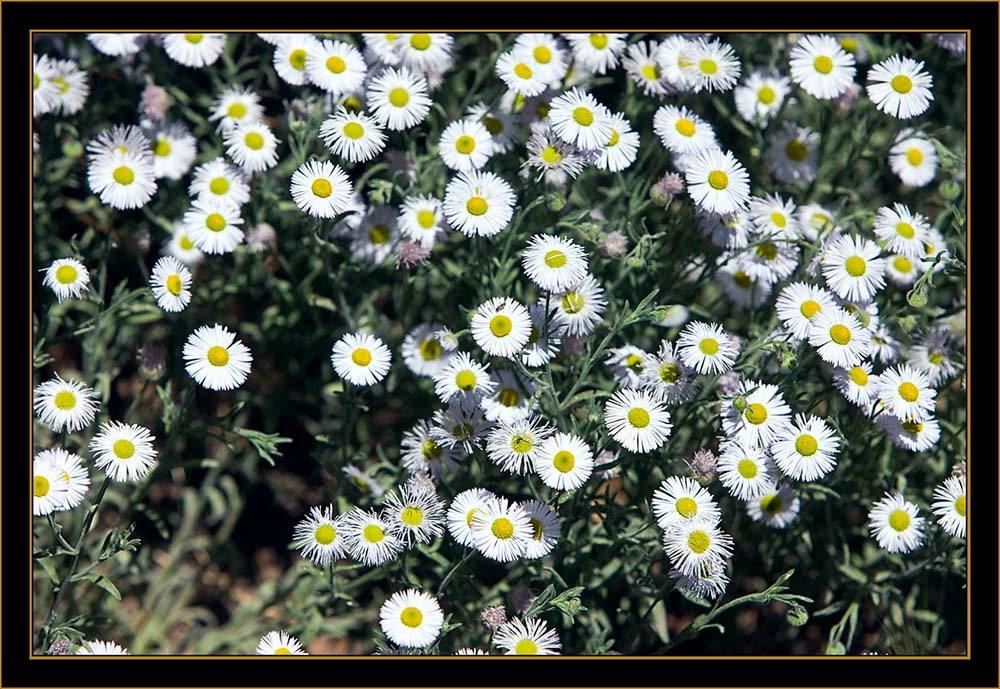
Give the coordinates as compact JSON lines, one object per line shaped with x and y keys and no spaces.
{"x":186,"y":243}
{"x":522,"y":70}
{"x":509,"y":397}
{"x":65,"y":400}
{"x":352,"y":104}
{"x":669,"y":373}
{"x":810,"y":308}
{"x":638,"y":417}
{"x":361,"y":356}
{"x":555,"y":259}
{"x":325,"y":534}
{"x":477,"y":205}
{"x":583,"y":116}
{"x":709,"y":346}
{"x":123,"y":449}
{"x":123,"y":175}
{"x":768,"y":252}
{"x":219,"y":186}
{"x":572,"y":302}
{"x":806,"y":445}
{"x":770,"y":504}
{"x":527,"y":647}
{"x":899,"y":520}
{"x":254,"y":141}
{"x":162,"y":148}
{"x":913,"y":427}
{"x":599,"y":40}
{"x":353,"y":130}
{"x":564,"y":461}
{"x":500,"y":325}
{"x":420,"y":41}
{"x":634,"y":362}
{"x":902,"y":264}
{"x":521,"y":444}
{"x":746,"y":468}
{"x":471,"y":515}
{"x":905,"y":230}
{"x":215,"y":222}
{"x":960,"y":505}
{"x":61,"y":83}
{"x":708,"y":66}
{"x":742,"y":279}
{"x":283,"y":651}
{"x":909,"y":392}
{"x":718,"y":179}
{"x":378,"y":234}
{"x":35,"y":81}
{"x":901,"y":83}
{"x":756,"y":414}
{"x":41,"y":486}
{"x":399,"y":97}
{"x":465,"y":145}
{"x":298,"y":59}
{"x":493,"y":125}
{"x":849,"y":44}
{"x":322,"y":188}
{"x":236,"y":110}
{"x":174,"y":284}
{"x":651,"y":72}
{"x":218,"y":356}
{"x":685,"y":127}
{"x":935,"y":358}
{"x":465,"y":380}
{"x":698,"y":541}
{"x":542,"y":54}
{"x":796,"y":150}
{"x":336,"y":64}
{"x":551,"y":156}
{"x":914,"y":157}
{"x":66,"y":275}
{"x":855,"y":266}
{"x":536,"y":528}
{"x":859,"y":376}
{"x":778,"y":219}
{"x":502,"y":528}
{"x":430,"y":450}
{"x":687,"y":507}
{"x":766,"y":95}
{"x":823,"y":64}
{"x":411,"y":617}
{"x":426,"y":219}
{"x":614,"y":139}
{"x":840,"y":334}
{"x":430,"y":349}
{"x":412,"y":516}
{"x":194,"y":38}
{"x":373,"y":533}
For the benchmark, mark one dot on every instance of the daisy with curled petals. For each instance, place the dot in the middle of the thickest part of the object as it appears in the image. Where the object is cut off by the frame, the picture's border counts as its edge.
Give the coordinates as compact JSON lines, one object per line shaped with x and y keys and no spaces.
{"x":857,"y":384}
{"x":216,"y":359}
{"x":546,"y":55}
{"x":679,"y":498}
{"x":71,"y":468}
{"x":65,"y":405}
{"x":123,"y":180}
{"x":797,"y":305}
{"x":697,"y":546}
{"x":717,"y":182}
{"x":361,"y":359}
{"x":744,"y":470}
{"x":577,"y":311}
{"x":776,"y":508}
{"x":336,"y":67}
{"x":170,"y":283}
{"x":527,"y":636}
{"x":352,"y":135}
{"x":853,"y":269}
{"x":411,"y":618}
{"x":839,"y":338}
{"x":421,"y":454}
{"x":320,"y":537}
{"x":906,"y":393}
{"x":511,"y":400}
{"x":637,"y":420}
{"x":710,"y":66}
{"x":545,"y":339}
{"x":596,"y":52}
{"x":900,"y":87}
{"x":664,"y":374}
{"x":279,"y":643}
{"x":124,"y":451}
{"x":174,"y":149}
{"x":502,"y":530}
{"x":422,"y":351}
{"x":464,"y":508}
{"x":821,"y":67}
{"x":67,"y":277}
{"x":252,"y":146}
{"x":320,"y":189}
{"x":49,"y":486}
{"x":517,"y":70}
{"x":291,"y":52}
{"x":398,"y":98}
{"x":706,"y":348}
{"x":465,"y":145}
{"x":554,"y":263}
{"x":545,"y":526}
{"x":949,"y":505}
{"x":101,"y":648}
{"x":903,"y":231}
{"x":913,"y":436}
{"x":463,"y":380}
{"x":620,"y":152}
{"x":219,"y":180}
{"x":913,"y":159}
{"x":626,"y":364}
{"x":421,"y":219}
{"x":478,"y":203}
{"x":415,"y":514}
{"x":235,"y":106}
{"x":577,"y":118}
{"x":213,"y":224}
{"x":194,"y":49}
{"x":563,"y":462}
{"x":757,"y":416}
{"x":806,"y":451}
{"x":895,"y":525}
{"x":642,"y":65}
{"x":514,"y":445}
{"x":369,"y":539}
{"x":793,"y":155}
{"x":461,"y":427}
{"x":760,"y":96}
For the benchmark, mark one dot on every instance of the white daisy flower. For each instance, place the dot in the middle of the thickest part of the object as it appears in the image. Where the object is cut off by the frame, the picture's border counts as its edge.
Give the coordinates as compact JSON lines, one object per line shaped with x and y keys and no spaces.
{"x":361,"y":358}
{"x":49,"y":486}
{"x":710,"y":65}
{"x":743,"y":288}
{"x":903,"y":231}
{"x":697,"y":547}
{"x":116,"y":44}
{"x":577,"y":311}
{"x":906,"y":393}
{"x":181,"y":247}
{"x":717,"y":182}
{"x":914,"y":436}
{"x":545,"y":54}
{"x":577,"y":118}
{"x":170,"y":283}
{"x":73,"y":86}
{"x":900,"y":87}
{"x":807,"y":451}
{"x":563,"y":462}
{"x":235,"y":106}
{"x":101,"y":648}
{"x":420,"y":453}
{"x":70,"y":468}
{"x":465,"y":145}
{"x":511,"y":400}
{"x":776,"y":508}
{"x":123,"y":180}
{"x":174,"y":149}
{"x":708,"y":349}
{"x":479,"y":203}
{"x":913,"y":159}
{"x":793,"y":155}
{"x":546,"y":527}
{"x":527,"y":636}
{"x":319,"y":536}
{"x":213,"y":225}
{"x":383,"y":46}
{"x":421,"y":219}
{"x":821,"y":67}
{"x":934,"y":245}
{"x":852,"y":268}
{"x":933,"y":358}
{"x":216,"y":359}
{"x":857,"y":384}
{"x":709,"y":584}
{"x":761,"y":95}
{"x":671,"y":54}
{"x":320,"y":189}
{"x":461,"y":425}
{"x":353,"y":136}
{"x":637,"y":420}
{"x":949,"y":505}
{"x":415,"y":515}
{"x":643,"y":66}
{"x":664,"y":374}
{"x":797,"y":305}
{"x":517,"y":70}
{"x":884,"y":346}
{"x":555,"y":160}
{"x":194,"y":49}
{"x":901,"y":270}
{"x":514,"y":445}
{"x":279,"y":643}
{"x":252,"y":146}
{"x":770,"y":261}
{"x":760,"y":417}
{"x":465,"y":507}
{"x":120,"y":139}
{"x":895,"y":525}
{"x":422,"y":351}
{"x":815,"y":221}
{"x":620,"y":152}
{"x":124,"y":451}
{"x":839,"y":338}
{"x":45,"y":93}
{"x":554,"y":263}
{"x":291,"y":53}
{"x":411,"y":618}
{"x":679,"y":498}
{"x":501,"y":530}
{"x":744,"y":471}
{"x":463,"y":380}
{"x":627,"y":364}
{"x":67,"y":277}
{"x":398,"y":98}
{"x":65,"y":405}
{"x":219,"y":180}
{"x":363,"y":481}
{"x":375,"y":237}
{"x":369,"y":538}
{"x":425,"y":52}
{"x":336,"y":67}
{"x":774,"y":217}
{"x":596,"y":52}
{"x":730,"y":231}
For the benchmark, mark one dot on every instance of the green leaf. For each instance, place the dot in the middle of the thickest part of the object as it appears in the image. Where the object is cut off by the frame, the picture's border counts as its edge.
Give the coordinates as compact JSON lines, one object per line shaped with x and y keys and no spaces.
{"x":101,"y":581}
{"x":50,"y":569}
{"x":266,"y":444}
